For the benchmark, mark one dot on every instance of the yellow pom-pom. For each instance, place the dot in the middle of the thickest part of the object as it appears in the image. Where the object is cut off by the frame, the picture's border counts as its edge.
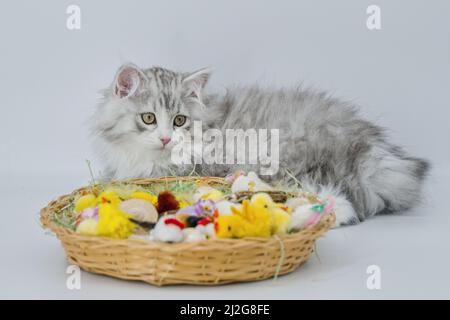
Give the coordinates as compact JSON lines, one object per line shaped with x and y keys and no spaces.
{"x":88,"y":227}
{"x":114,"y":223}
{"x":84,"y":202}
{"x":144,"y":196}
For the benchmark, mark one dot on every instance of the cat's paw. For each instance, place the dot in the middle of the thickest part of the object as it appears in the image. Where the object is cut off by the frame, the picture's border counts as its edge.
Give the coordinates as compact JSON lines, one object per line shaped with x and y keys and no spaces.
{"x":345,"y":214}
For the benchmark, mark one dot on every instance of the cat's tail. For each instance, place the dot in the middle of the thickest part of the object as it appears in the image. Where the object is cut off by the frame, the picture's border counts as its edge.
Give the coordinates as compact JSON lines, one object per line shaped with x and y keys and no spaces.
{"x":394,"y":182}
{"x":388,"y":180}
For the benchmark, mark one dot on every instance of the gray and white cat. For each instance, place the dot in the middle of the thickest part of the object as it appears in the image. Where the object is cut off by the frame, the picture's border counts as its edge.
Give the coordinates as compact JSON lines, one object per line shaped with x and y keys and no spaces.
{"x":323,"y":141}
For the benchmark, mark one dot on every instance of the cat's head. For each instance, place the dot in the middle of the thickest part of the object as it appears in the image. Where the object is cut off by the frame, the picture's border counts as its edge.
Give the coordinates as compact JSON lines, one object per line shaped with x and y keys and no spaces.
{"x":146,"y":108}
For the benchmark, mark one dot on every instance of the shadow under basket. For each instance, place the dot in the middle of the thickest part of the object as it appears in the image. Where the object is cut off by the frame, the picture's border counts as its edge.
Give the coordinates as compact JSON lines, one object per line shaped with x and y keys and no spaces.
{"x":210,"y":262}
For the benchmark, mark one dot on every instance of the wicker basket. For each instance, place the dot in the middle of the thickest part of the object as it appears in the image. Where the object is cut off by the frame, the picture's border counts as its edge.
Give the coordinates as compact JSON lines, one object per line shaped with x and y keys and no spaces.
{"x":210,"y":262}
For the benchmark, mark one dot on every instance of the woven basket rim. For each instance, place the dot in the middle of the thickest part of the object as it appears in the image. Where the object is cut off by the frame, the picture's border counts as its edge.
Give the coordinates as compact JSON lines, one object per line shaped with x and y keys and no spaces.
{"x":47,"y":222}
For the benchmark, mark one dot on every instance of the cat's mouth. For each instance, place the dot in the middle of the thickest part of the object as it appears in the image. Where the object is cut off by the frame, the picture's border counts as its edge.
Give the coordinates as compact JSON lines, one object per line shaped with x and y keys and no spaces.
{"x":165,"y":151}
{"x":165,"y":147}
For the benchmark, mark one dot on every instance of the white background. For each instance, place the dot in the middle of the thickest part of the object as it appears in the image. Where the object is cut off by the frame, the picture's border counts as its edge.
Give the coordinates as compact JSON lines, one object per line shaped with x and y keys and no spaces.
{"x":49,"y":82}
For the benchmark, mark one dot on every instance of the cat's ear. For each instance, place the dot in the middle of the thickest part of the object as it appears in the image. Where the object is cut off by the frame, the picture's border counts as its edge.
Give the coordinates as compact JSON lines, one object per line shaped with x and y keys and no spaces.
{"x":195,"y":82}
{"x":128,"y":80}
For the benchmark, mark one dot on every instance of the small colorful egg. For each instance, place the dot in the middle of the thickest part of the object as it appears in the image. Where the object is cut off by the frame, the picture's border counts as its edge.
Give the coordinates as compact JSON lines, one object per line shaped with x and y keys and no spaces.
{"x":140,"y":210}
{"x":88,"y":227}
{"x":89,"y":213}
{"x":200,"y":208}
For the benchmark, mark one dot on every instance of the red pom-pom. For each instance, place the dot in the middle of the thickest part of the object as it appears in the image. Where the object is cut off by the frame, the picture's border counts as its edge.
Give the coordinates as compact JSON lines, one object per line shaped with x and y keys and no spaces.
{"x":167,"y":202}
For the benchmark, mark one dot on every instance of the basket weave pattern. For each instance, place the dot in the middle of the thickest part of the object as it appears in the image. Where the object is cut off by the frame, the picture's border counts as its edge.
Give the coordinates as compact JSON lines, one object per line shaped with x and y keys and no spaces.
{"x":208,"y":262}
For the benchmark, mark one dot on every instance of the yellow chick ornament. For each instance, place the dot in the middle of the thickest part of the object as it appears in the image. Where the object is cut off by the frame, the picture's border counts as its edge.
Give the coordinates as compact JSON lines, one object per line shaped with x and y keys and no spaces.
{"x":110,"y":197}
{"x":113,"y":222}
{"x":259,"y":217}
{"x":247,"y":221}
{"x":232,"y":226}
{"x":279,"y":218}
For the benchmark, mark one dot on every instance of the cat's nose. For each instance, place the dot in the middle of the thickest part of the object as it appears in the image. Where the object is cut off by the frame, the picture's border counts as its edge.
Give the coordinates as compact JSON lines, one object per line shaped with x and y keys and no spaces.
{"x":164,"y":140}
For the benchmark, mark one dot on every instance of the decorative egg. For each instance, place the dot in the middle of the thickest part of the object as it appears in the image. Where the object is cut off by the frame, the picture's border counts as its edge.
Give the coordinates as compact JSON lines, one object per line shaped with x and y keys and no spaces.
{"x":141,"y":210}
{"x":89,"y":213}
{"x":88,"y":227}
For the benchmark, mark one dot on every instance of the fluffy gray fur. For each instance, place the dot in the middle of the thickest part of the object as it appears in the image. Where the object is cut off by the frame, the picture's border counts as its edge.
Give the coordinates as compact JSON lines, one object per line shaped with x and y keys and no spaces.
{"x":323,"y":141}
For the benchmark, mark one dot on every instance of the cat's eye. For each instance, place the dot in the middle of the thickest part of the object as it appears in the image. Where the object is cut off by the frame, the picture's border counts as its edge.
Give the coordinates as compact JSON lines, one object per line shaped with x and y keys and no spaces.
{"x":148,"y":118}
{"x":179,"y":120}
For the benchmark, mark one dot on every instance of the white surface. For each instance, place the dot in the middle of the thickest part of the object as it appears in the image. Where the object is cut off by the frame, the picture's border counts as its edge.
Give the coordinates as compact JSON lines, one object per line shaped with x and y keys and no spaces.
{"x":49,"y":81}
{"x":412,"y":250}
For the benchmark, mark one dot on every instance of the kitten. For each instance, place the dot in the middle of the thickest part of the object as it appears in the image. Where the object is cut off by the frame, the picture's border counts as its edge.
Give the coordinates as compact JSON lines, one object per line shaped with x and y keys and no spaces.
{"x":323,"y":141}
